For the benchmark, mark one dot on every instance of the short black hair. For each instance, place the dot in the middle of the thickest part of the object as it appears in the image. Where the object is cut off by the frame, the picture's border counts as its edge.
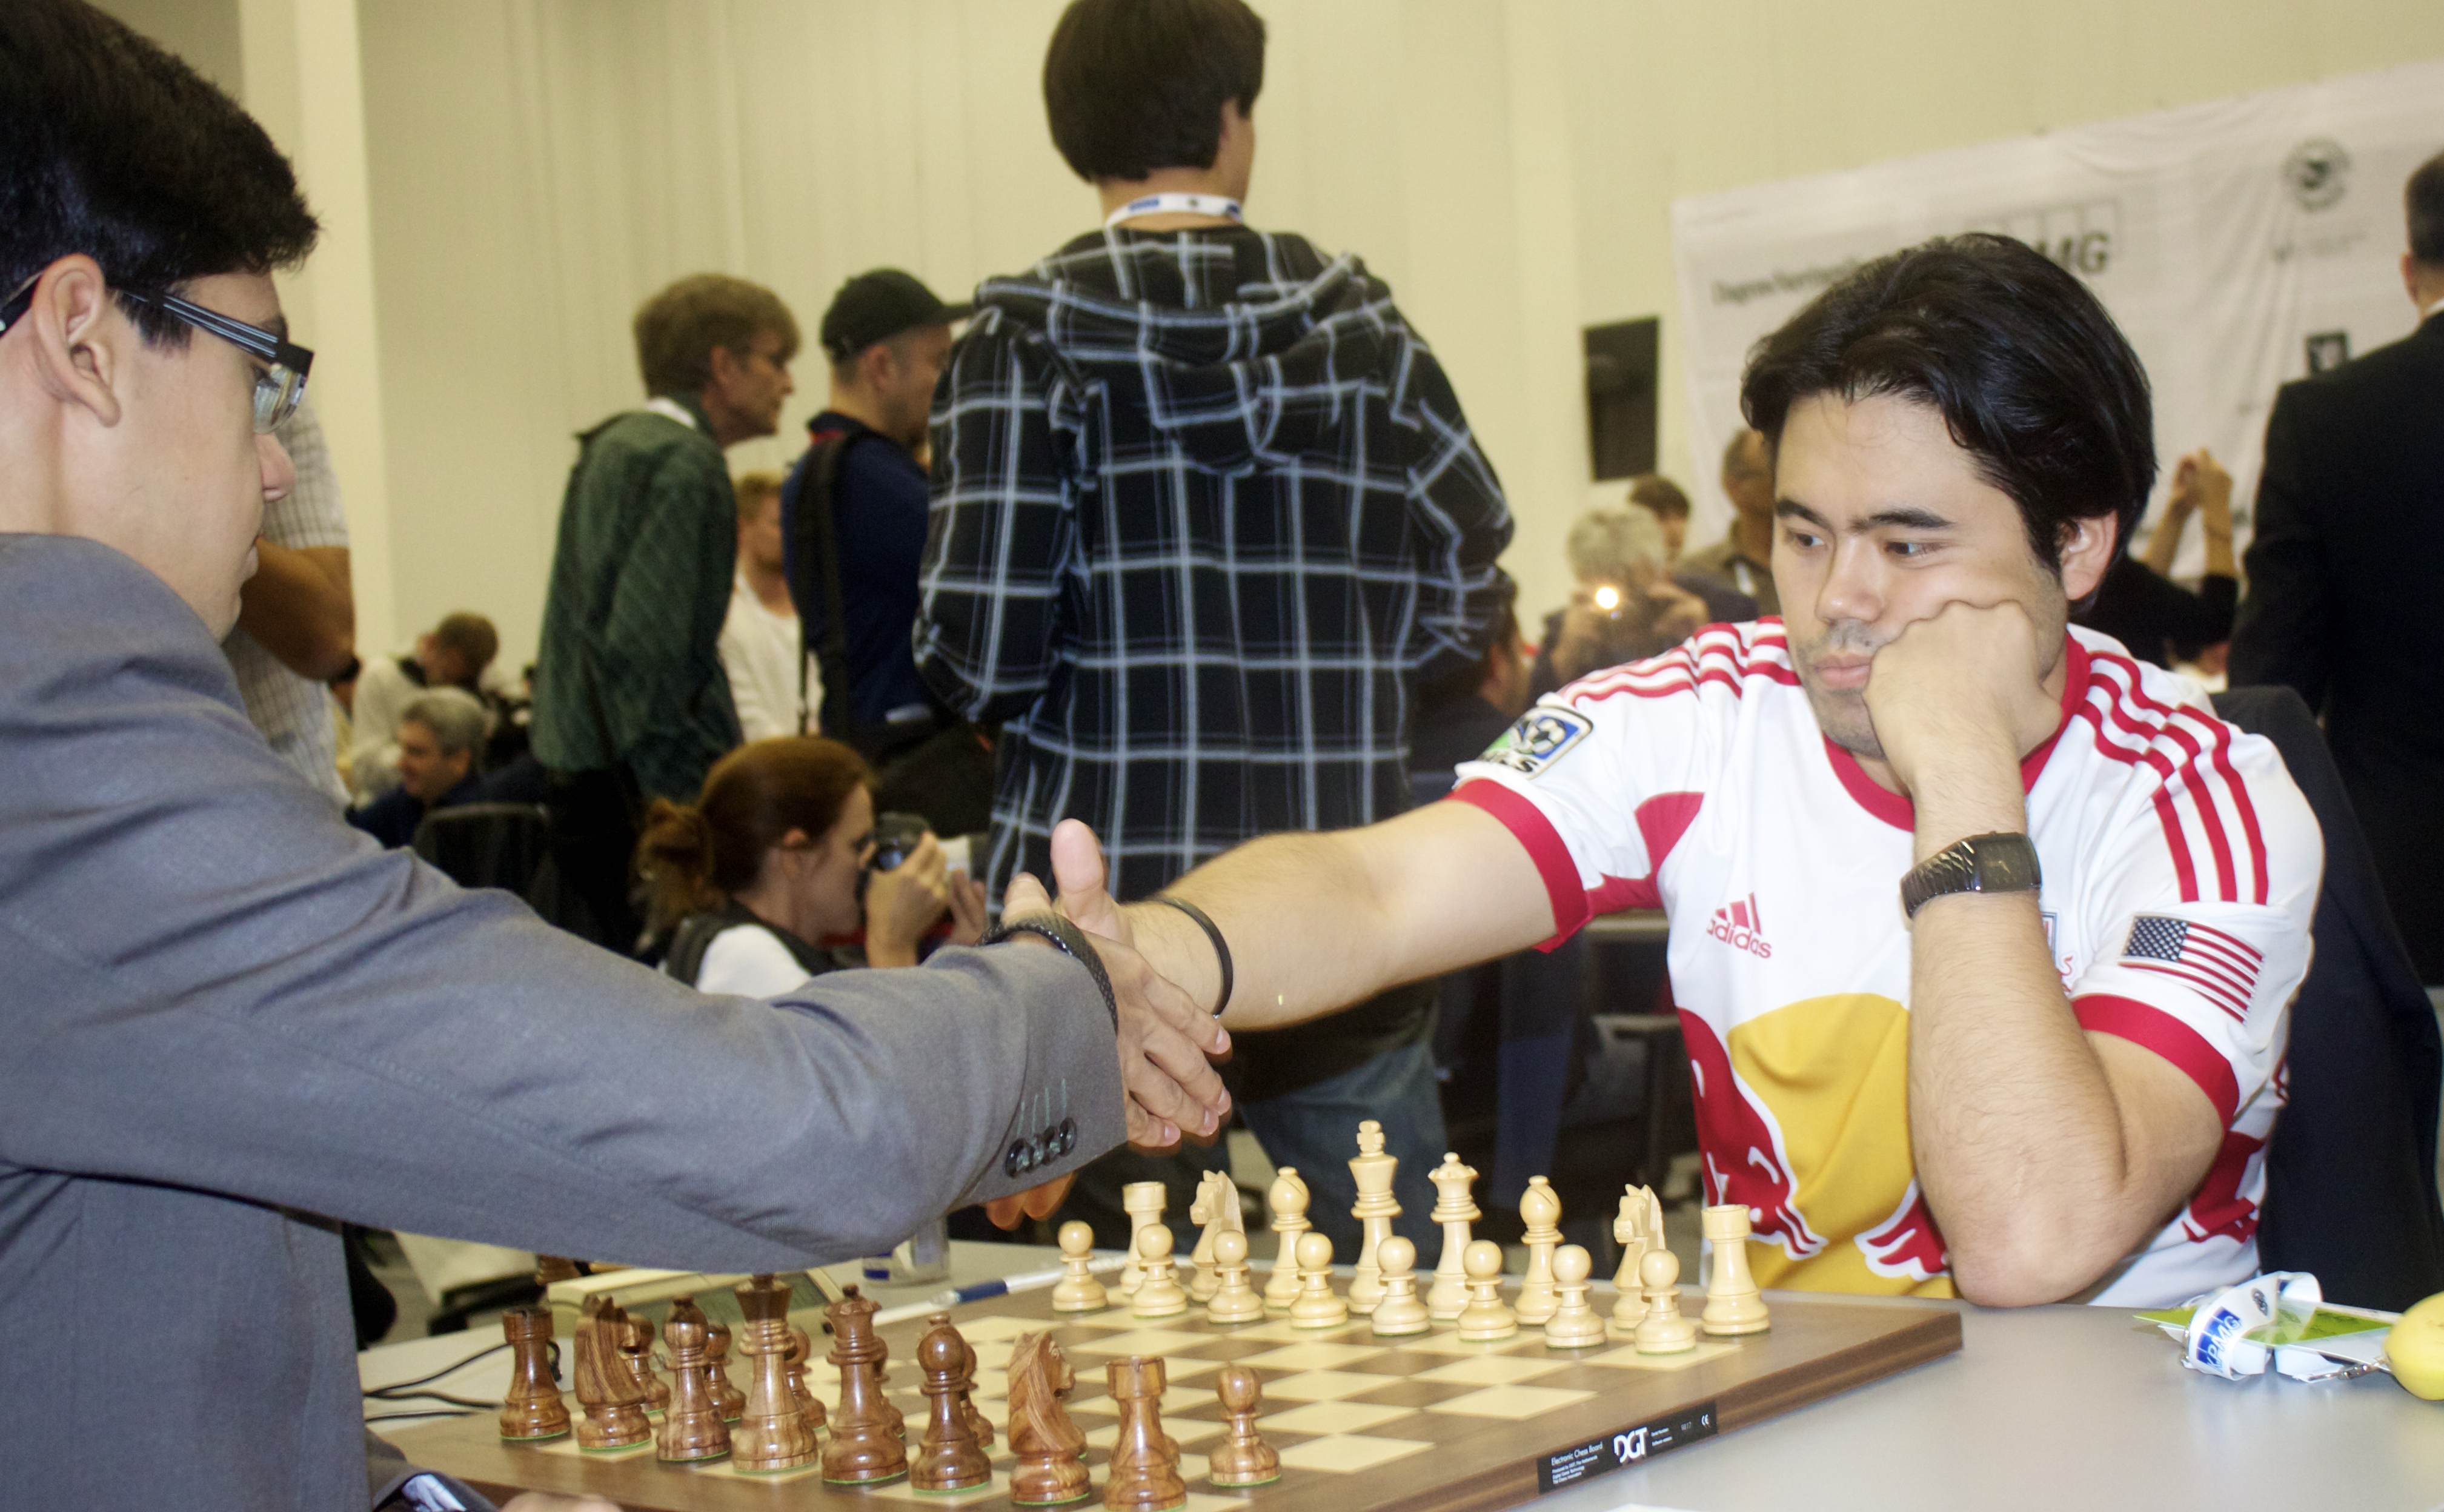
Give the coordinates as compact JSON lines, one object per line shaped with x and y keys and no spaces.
{"x":2422,"y":200}
{"x":1134,"y":86}
{"x":120,"y":151}
{"x":2030,"y":374}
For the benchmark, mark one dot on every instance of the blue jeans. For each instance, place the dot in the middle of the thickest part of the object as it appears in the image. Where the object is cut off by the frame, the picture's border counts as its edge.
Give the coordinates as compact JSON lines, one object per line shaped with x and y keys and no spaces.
{"x":1316,"y":1130}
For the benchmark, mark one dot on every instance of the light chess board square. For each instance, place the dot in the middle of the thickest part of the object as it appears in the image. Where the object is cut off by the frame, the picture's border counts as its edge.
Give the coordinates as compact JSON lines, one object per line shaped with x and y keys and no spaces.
{"x":998,"y":1328}
{"x":1174,"y":1399}
{"x":1448,"y":1341}
{"x":729,"y":1469}
{"x":1139,"y":1341}
{"x":1313,"y":1355}
{"x":992,"y":1354}
{"x":568,"y":1447}
{"x":1511,"y":1402}
{"x":902,"y":1491}
{"x":1629,"y":1358}
{"x":1185,"y":1430}
{"x":1493,"y":1370}
{"x":1346,"y":1452}
{"x":1279,"y":1331}
{"x":1205,"y":1502}
{"x":1323,"y":1386}
{"x":1333,"y":1417}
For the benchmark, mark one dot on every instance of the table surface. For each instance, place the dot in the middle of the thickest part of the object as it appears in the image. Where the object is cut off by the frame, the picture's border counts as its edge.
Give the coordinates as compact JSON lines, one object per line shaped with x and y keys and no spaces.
{"x":2044,"y":1408}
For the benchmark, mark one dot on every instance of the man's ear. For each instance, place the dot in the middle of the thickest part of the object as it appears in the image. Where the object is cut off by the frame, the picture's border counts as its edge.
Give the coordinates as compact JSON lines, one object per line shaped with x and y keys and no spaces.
{"x":80,"y":351}
{"x":2087,"y":545}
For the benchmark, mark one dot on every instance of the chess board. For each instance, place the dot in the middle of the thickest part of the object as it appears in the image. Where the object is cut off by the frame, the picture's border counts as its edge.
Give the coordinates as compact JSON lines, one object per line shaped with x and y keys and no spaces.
{"x":1424,"y":1424}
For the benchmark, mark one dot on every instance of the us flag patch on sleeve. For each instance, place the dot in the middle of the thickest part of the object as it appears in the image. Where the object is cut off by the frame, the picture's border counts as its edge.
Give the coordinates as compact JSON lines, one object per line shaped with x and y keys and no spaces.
{"x":2222,"y":965}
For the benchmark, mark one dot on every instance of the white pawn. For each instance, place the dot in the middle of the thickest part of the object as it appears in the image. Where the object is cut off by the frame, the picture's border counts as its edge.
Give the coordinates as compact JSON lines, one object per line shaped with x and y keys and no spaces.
{"x":1144,"y":1201}
{"x":1574,"y":1323}
{"x":1486,"y":1316}
{"x":1159,"y":1295}
{"x":1287,"y":1199}
{"x":1317,"y":1306}
{"x":1400,"y":1312}
{"x":1638,"y":1228}
{"x":1235,"y":1298}
{"x":1732,"y":1305}
{"x":1663,"y":1331}
{"x":1454,"y":1211}
{"x":1540,"y":1210}
{"x":1077,"y":1291}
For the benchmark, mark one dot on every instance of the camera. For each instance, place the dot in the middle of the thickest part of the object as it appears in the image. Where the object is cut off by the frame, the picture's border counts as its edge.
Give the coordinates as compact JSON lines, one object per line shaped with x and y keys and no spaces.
{"x":895,"y":837}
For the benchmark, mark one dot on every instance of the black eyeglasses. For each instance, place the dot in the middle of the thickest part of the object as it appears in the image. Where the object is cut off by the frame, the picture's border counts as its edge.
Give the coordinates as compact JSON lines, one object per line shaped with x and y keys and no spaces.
{"x":278,"y":384}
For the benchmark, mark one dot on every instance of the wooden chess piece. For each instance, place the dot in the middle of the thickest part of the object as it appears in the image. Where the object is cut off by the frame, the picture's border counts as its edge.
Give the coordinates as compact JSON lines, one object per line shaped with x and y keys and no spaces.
{"x":533,"y":1407}
{"x":1078,"y":1291}
{"x":1144,"y":1474}
{"x":615,"y":1416}
{"x":726,"y":1394}
{"x":950,"y":1459}
{"x":1159,"y":1293}
{"x":1217,"y":1208}
{"x":1575,"y":1323}
{"x":801,"y":1349}
{"x":1243,"y":1458}
{"x":1288,"y":1199}
{"x":1144,"y":1201}
{"x":772,"y":1432}
{"x":1049,"y":1471}
{"x":864,"y":1444}
{"x":554,"y":1268}
{"x":637,"y":1356}
{"x":1636,"y":1229}
{"x":1454,"y":1211}
{"x":1486,"y":1316}
{"x":1400,"y":1313}
{"x":1317,"y":1306}
{"x":1662,"y":1330}
{"x":1235,"y":1298}
{"x":691,"y":1428}
{"x":1374,"y":1209}
{"x":978,"y":1424}
{"x":1540,"y":1210}
{"x":1732,"y":1305}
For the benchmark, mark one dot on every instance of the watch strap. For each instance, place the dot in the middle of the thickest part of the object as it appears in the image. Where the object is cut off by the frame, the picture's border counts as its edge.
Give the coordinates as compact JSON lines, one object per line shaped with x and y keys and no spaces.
{"x":2002,"y":862}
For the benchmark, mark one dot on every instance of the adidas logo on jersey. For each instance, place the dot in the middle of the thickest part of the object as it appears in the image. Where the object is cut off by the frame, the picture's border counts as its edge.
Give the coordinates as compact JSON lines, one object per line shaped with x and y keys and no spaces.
{"x":1741,"y":927}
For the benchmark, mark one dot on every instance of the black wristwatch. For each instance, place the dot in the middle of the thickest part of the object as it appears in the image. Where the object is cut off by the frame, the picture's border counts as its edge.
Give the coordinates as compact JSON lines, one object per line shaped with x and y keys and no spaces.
{"x":1070,"y":941}
{"x":1981,"y":863}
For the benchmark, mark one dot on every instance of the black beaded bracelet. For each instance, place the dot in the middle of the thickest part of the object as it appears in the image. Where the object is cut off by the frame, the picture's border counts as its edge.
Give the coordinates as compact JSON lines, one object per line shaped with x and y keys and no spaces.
{"x":1072,"y":942}
{"x":1212,"y":932}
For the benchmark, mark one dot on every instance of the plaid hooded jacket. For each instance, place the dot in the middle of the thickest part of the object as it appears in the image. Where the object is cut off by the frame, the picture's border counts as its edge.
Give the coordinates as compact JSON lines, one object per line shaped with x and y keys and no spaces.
{"x":1204,"y":509}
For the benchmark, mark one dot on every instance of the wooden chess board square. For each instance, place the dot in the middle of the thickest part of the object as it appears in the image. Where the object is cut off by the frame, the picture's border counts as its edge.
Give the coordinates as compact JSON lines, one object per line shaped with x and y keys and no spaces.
{"x":1000,"y":1328}
{"x":1451,"y":1343}
{"x":1312,"y":1356}
{"x":1493,"y":1370}
{"x":1512,"y":1401}
{"x":1348,"y":1452}
{"x":903,"y":1490}
{"x":1280,"y":1331}
{"x":1139,"y":1342}
{"x":1334,"y":1417}
{"x":569,"y":1447}
{"x":1629,"y":1358}
{"x":1174,"y":1399}
{"x":992,"y":1354}
{"x":1184,"y":1430}
{"x":729,"y":1469}
{"x":1323,"y":1386}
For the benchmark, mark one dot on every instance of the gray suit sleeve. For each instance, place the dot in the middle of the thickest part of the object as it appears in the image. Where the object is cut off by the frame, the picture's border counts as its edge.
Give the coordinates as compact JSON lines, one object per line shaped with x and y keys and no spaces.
{"x":216,"y":983}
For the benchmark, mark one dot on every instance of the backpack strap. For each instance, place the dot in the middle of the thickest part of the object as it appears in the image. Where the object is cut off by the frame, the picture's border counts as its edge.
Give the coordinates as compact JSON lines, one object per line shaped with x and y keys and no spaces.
{"x":816,"y":548}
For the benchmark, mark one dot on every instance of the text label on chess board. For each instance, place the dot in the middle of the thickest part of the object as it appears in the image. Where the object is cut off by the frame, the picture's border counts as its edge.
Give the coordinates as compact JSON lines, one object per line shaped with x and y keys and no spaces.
{"x":1628,"y":1447}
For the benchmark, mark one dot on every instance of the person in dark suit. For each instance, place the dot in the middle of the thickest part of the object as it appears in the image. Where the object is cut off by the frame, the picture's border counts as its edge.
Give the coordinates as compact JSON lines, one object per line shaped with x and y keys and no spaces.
{"x":2346,"y":571}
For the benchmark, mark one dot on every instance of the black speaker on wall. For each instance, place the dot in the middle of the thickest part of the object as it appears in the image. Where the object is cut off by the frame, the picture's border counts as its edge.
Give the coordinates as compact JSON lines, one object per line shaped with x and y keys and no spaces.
{"x":1620,"y":398}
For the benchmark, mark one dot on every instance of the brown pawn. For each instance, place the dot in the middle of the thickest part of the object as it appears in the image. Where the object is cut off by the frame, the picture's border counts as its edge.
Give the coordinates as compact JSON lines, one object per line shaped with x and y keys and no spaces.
{"x":637,"y":1355}
{"x":1145,"y":1465}
{"x":801,"y":1348}
{"x":692,"y":1425}
{"x":716,"y":1367}
{"x":865,"y":1445}
{"x":772,"y":1432}
{"x":532,"y":1408}
{"x":1243,"y":1458}
{"x":615,"y":1418}
{"x":1048,"y":1446}
{"x":978,"y":1424}
{"x":950,"y":1459}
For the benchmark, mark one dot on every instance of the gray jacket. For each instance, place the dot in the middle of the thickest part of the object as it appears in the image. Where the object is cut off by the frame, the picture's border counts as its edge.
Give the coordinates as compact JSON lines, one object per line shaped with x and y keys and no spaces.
{"x":230,"y":1020}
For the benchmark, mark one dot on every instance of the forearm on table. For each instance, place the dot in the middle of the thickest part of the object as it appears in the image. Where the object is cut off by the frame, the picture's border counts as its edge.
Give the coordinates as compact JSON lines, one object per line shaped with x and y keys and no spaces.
{"x":300,"y":606}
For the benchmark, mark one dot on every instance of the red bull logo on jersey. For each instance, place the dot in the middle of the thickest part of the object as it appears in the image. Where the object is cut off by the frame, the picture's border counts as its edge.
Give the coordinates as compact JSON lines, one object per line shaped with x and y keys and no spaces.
{"x":1741,"y":925}
{"x":1745,"y":1161}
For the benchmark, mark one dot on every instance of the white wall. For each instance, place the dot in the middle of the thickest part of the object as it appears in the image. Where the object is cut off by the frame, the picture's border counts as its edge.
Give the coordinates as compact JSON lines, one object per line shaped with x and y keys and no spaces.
{"x":536,"y":167}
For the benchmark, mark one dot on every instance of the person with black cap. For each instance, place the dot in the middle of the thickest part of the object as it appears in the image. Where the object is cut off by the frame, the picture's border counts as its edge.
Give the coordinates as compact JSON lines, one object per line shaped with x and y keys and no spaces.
{"x":853,"y":515}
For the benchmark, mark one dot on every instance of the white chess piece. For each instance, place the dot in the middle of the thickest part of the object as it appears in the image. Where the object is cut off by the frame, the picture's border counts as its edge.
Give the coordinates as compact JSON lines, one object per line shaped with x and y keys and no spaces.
{"x":1235,"y":1298}
{"x":1218,"y":1208}
{"x":1144,"y":1201}
{"x":1638,"y":1228}
{"x":1376,"y":1207}
{"x":1077,"y":1291}
{"x":1158,"y":1295}
{"x":1663,"y":1331}
{"x":1540,"y":1210}
{"x":1732,"y":1305}
{"x":1400,"y":1313}
{"x":1486,"y":1316}
{"x":1454,"y":1211}
{"x":1317,"y":1306}
{"x":1575,"y":1323}
{"x":1287,"y":1199}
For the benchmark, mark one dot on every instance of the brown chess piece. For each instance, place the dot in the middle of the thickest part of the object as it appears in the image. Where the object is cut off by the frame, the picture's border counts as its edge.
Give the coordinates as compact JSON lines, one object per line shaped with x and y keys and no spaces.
{"x":1243,"y":1458}
{"x":801,"y":1348}
{"x":637,"y":1355}
{"x":950,"y":1459}
{"x":615,"y":1418}
{"x":717,"y":1369}
{"x":978,"y":1424}
{"x":772,"y":1432}
{"x":1048,"y":1446}
{"x":691,"y":1427}
{"x":550,"y":1268}
{"x":863,"y":1447}
{"x":533,"y":1407}
{"x":1144,"y":1474}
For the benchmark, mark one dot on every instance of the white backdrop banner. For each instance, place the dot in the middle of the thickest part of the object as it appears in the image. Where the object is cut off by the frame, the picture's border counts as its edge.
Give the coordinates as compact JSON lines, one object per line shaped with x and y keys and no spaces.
{"x":2239,"y":243}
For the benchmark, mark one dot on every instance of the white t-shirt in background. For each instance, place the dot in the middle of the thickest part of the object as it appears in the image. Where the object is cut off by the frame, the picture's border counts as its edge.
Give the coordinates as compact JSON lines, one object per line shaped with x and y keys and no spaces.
{"x":760,"y":650}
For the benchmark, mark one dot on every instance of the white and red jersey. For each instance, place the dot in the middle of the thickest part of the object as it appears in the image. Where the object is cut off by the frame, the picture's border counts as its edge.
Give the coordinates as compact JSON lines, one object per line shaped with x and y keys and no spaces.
{"x":2180,"y":871}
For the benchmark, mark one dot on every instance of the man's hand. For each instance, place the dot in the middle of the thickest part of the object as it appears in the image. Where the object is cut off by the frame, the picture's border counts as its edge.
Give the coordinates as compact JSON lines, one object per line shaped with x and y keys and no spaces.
{"x":1163,"y":1038}
{"x":1035,"y":1202}
{"x":1960,"y":694}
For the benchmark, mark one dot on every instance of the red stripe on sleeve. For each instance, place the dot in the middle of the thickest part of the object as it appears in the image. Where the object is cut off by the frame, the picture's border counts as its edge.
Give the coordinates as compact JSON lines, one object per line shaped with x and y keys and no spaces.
{"x":1529,"y":825}
{"x":2152,"y":1028}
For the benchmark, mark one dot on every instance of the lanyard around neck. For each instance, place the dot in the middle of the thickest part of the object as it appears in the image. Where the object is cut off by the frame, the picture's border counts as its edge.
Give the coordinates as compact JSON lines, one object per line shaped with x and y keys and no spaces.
{"x":1222,"y":205}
